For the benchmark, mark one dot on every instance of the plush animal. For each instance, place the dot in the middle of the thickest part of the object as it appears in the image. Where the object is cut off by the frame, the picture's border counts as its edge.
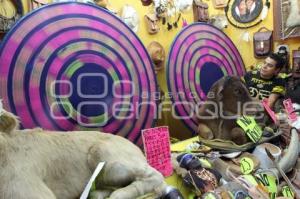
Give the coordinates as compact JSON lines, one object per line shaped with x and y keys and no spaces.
{"x":227,"y":100}
{"x":39,"y":164}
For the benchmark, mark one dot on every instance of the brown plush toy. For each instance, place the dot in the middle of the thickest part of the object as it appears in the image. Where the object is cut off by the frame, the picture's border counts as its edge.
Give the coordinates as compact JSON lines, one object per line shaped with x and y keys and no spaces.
{"x":217,"y":116}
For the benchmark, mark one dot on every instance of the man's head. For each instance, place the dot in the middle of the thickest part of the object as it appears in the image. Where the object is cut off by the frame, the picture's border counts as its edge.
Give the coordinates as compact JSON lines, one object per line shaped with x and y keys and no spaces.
{"x":272,"y":65}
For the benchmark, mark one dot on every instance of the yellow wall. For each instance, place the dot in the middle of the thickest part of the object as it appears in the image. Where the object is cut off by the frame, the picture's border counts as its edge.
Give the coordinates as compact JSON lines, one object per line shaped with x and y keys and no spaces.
{"x":166,"y":38}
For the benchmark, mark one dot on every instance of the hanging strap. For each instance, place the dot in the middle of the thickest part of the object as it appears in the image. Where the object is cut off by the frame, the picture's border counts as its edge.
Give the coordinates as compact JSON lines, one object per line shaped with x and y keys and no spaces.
{"x":263,"y":28}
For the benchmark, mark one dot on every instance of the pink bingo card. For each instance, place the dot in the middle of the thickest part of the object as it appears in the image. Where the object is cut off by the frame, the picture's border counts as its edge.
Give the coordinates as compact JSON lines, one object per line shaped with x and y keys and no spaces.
{"x":157,"y":149}
{"x":288,"y":105}
{"x":268,"y":109}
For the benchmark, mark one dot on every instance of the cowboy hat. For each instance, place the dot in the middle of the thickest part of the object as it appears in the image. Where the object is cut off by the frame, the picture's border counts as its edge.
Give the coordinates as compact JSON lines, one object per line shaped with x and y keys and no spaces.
{"x":102,"y":3}
{"x":157,"y":54}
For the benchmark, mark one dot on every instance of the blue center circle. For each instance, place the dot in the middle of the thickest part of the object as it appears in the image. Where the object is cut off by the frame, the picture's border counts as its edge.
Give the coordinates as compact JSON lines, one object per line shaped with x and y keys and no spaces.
{"x":92,"y":90}
{"x":209,"y":74}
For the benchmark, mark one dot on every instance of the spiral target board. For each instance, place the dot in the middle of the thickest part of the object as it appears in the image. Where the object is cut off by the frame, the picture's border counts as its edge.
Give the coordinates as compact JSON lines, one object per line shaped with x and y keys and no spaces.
{"x":75,"y":66}
{"x":200,"y":55}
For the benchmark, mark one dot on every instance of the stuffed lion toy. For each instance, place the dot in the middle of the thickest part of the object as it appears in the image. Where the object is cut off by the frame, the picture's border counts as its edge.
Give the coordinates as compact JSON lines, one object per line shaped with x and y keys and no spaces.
{"x":40,"y":164}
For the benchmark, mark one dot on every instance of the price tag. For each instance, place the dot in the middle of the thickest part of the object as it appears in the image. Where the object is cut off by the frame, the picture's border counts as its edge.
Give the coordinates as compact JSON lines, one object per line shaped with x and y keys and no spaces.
{"x":268,"y":181}
{"x":247,"y":165}
{"x":157,"y":149}
{"x":251,"y":128}
{"x":287,"y":192}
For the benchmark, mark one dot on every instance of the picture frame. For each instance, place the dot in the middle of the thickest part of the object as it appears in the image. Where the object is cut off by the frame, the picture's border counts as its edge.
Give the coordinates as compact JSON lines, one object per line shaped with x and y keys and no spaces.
{"x":281,"y":10}
{"x":296,"y":58}
{"x":245,"y":11}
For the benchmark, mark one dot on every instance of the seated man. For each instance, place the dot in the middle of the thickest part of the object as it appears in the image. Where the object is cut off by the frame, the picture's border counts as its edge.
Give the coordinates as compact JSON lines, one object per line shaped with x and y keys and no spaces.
{"x":266,"y":83}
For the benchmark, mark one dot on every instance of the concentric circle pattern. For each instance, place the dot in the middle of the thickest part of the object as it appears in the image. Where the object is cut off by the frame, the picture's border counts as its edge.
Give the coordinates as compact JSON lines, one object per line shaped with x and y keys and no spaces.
{"x":75,"y":66}
{"x":199,"y":56}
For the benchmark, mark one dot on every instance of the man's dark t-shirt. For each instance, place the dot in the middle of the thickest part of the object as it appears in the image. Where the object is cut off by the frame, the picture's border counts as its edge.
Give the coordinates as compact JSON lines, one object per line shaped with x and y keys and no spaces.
{"x":262,"y":88}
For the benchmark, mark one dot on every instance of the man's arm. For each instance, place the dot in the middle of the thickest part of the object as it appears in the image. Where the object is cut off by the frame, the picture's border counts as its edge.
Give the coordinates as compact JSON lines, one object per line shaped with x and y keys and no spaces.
{"x":272,"y":99}
{"x":277,"y":91}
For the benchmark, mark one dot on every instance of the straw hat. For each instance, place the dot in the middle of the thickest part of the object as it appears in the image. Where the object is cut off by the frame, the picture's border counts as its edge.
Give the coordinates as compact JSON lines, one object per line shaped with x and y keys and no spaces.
{"x":102,"y":3}
{"x":157,"y":54}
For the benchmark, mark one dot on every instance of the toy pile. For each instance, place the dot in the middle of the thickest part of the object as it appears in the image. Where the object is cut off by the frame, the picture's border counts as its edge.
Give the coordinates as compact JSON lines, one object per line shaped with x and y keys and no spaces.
{"x":261,"y":171}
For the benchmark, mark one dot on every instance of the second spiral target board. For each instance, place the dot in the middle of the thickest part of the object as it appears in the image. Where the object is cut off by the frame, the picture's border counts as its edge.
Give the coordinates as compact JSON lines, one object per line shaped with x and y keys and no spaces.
{"x":75,"y":66}
{"x":200,"y":55}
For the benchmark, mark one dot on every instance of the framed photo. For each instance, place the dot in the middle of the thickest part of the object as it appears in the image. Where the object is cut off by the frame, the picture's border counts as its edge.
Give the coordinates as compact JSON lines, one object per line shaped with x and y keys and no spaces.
{"x":245,"y":11}
{"x":286,"y":19}
{"x":296,"y":59}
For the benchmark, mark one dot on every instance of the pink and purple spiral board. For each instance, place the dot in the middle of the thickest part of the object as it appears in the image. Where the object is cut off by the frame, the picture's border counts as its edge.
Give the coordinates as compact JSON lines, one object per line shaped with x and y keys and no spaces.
{"x":199,"y":56}
{"x":75,"y":66}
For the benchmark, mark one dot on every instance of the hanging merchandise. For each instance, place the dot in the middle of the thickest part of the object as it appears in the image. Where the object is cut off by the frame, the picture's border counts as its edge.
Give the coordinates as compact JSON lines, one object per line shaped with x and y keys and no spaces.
{"x":183,"y":5}
{"x":37,"y":3}
{"x":157,"y":54}
{"x":283,"y":51}
{"x":296,"y":60}
{"x":82,"y":1}
{"x":262,"y":42}
{"x":9,"y":14}
{"x":146,"y":2}
{"x":174,"y":24}
{"x":151,"y":23}
{"x":130,"y":17}
{"x":184,"y":23}
{"x":102,"y":3}
{"x":168,"y":13}
{"x":245,"y":36}
{"x":246,"y":13}
{"x":220,"y":3}
{"x":294,"y":14}
{"x":219,"y":21}
{"x":286,"y":19}
{"x":161,"y":7}
{"x":200,"y":10}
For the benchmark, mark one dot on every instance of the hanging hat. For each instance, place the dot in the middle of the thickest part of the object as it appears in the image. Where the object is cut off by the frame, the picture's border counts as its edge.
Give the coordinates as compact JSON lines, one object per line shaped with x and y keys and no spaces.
{"x":146,"y":2}
{"x":102,"y":3}
{"x":130,"y":17}
{"x":157,"y":54}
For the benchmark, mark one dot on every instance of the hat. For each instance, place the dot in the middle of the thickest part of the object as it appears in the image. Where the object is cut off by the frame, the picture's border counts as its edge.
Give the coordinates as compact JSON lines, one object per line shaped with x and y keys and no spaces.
{"x":146,"y":2}
{"x":130,"y":17}
{"x":157,"y":54}
{"x":102,"y":3}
